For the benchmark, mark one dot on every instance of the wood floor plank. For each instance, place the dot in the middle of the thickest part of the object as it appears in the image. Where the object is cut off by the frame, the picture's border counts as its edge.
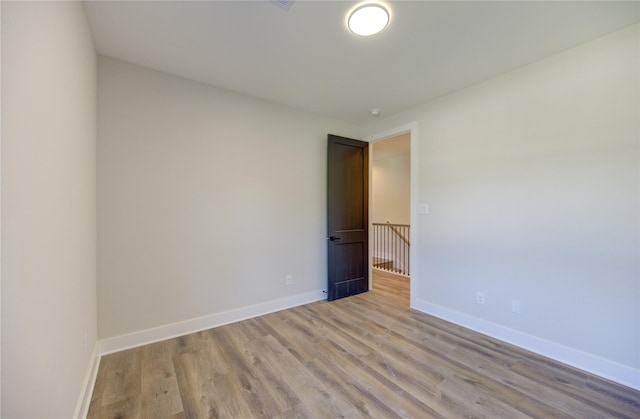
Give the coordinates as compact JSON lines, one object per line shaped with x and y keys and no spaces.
{"x":246,"y":396}
{"x":297,"y":412}
{"x":235,"y":398}
{"x":122,"y":409}
{"x":393,"y":287}
{"x":501,"y":391}
{"x":322,"y":367}
{"x":336,"y":378}
{"x":159,"y":385}
{"x":316,"y":395}
{"x":534,"y":399}
{"x":401,"y":365}
{"x":564,"y":383}
{"x":467,"y":395}
{"x":196,"y":382}
{"x":382,"y":386}
{"x":122,"y":381}
{"x":364,"y":356}
{"x":269,"y":374}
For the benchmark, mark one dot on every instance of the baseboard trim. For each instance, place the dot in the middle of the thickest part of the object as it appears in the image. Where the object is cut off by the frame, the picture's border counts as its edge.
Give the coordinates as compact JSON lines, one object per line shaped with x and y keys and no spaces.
{"x":156,"y":334}
{"x":87,"y":386}
{"x":604,"y":368}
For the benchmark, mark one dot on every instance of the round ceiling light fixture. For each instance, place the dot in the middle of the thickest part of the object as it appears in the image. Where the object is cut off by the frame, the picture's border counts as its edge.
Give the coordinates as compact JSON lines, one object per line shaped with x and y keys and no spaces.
{"x":368,"y":19}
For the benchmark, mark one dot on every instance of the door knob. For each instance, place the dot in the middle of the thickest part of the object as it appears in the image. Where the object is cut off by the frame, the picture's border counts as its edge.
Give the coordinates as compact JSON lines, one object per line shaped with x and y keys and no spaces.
{"x":332,"y":238}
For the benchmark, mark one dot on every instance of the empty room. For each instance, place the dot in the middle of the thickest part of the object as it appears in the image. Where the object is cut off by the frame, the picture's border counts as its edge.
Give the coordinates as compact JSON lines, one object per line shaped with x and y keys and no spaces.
{"x":191,"y":208}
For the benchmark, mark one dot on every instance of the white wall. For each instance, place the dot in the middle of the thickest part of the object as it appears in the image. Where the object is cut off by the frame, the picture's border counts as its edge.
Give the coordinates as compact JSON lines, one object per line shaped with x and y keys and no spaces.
{"x":48,"y":207}
{"x":532,"y":181}
{"x":390,"y":188}
{"x":207,"y":199}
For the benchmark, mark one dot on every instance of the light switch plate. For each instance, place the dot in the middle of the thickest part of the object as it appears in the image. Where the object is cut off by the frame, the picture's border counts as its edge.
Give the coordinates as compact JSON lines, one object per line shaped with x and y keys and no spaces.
{"x":423,"y":209}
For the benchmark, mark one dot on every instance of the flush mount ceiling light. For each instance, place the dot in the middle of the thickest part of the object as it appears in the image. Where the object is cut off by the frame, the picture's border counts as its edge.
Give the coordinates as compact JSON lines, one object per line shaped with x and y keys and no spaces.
{"x":368,"y":19}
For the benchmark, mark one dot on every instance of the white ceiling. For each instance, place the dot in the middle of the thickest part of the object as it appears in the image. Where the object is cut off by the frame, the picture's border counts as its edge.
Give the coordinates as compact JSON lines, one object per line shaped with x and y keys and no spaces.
{"x":306,"y":58}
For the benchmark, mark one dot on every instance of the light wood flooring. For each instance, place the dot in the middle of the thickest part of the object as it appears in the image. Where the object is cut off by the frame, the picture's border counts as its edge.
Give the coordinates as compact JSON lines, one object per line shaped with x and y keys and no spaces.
{"x":356,"y":357}
{"x":394,"y":288}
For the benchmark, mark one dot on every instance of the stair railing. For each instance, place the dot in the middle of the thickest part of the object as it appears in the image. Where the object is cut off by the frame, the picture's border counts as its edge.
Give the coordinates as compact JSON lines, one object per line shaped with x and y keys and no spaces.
{"x":391,"y":247}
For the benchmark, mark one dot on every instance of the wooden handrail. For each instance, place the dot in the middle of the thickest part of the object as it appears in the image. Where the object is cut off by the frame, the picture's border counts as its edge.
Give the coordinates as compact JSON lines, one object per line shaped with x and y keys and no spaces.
{"x":390,"y":223}
{"x":395,"y":229}
{"x":399,"y":233}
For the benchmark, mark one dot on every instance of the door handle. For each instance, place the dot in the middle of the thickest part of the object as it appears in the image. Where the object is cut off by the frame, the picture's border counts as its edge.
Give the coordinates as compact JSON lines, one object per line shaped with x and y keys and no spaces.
{"x":332,"y":238}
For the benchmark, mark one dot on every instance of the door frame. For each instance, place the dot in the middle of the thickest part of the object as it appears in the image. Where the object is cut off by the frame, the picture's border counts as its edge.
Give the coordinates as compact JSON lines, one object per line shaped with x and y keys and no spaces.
{"x":412,"y":129}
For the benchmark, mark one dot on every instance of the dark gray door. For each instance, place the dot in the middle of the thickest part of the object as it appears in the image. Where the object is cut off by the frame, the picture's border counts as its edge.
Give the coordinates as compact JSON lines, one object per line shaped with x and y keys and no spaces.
{"x":348,"y":216}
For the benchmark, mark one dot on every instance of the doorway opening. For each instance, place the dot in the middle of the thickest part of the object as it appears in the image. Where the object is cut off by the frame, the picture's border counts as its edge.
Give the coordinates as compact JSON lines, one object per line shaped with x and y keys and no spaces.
{"x":390,"y":215}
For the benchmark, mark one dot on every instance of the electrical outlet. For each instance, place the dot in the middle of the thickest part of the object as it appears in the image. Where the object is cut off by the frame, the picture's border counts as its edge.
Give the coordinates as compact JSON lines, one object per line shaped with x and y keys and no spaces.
{"x":288,"y":280}
{"x":515,"y":306}
{"x":480,"y":297}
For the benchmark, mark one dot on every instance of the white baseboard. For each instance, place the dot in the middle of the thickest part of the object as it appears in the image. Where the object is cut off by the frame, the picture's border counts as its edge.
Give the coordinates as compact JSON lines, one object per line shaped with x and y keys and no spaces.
{"x":156,"y":334}
{"x":599,"y":366}
{"x":87,"y":385}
